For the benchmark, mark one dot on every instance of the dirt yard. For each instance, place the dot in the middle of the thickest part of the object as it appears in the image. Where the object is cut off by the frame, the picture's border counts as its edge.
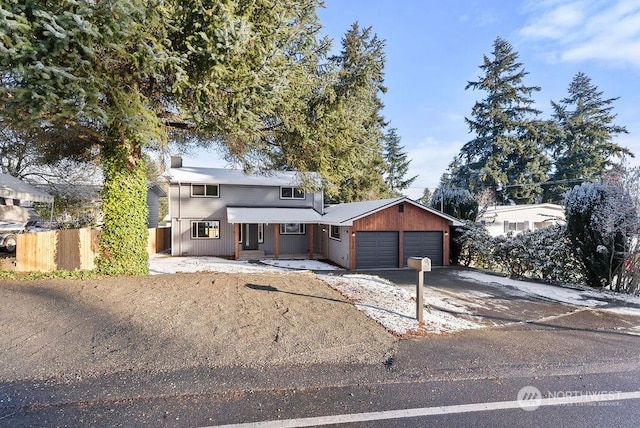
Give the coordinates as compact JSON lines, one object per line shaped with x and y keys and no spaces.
{"x":71,"y":329}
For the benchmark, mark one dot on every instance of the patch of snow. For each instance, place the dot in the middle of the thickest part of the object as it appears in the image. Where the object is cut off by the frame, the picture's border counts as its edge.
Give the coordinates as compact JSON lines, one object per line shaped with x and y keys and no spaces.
{"x":302,"y":264}
{"x":550,"y":292}
{"x":395,"y":307}
{"x":163,"y":264}
{"x":623,"y":310}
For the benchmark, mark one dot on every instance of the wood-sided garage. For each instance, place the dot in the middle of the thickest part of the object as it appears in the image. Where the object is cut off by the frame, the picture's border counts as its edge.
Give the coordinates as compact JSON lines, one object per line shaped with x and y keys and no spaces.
{"x":385,"y":233}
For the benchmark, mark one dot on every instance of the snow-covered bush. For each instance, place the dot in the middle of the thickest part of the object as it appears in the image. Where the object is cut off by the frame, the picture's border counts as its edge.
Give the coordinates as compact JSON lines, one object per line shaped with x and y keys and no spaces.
{"x":543,"y":254}
{"x":475,"y":245}
{"x":603,"y":226}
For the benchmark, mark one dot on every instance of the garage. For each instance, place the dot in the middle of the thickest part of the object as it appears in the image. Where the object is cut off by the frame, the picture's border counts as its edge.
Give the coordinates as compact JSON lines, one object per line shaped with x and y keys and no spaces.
{"x":376,"y":250}
{"x":423,"y":244}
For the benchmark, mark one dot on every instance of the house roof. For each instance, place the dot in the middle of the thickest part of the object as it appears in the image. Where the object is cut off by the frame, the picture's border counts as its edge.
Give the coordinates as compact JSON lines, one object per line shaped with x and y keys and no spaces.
{"x":235,"y":176}
{"x":272,"y":215}
{"x":524,"y":207}
{"x":154,"y":188}
{"x":346,"y":214}
{"x":339,"y":215}
{"x":14,"y":188}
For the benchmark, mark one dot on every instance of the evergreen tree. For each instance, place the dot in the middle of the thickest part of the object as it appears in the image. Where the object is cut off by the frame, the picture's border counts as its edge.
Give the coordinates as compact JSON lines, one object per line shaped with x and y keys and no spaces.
{"x":505,"y":152}
{"x":459,"y":203}
{"x":114,"y":77}
{"x":425,"y":199}
{"x":336,"y":126}
{"x":582,"y":148}
{"x":358,"y":88}
{"x":397,"y":164}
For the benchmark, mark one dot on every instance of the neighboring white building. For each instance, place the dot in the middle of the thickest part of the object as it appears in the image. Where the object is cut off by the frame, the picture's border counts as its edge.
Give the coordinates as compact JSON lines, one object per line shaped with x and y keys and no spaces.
{"x":502,"y":219}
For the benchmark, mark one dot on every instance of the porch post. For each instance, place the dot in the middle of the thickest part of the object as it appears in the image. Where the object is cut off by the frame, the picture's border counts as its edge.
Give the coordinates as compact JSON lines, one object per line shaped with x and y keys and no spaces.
{"x":236,"y":237}
{"x":276,"y":246}
{"x":310,"y":229}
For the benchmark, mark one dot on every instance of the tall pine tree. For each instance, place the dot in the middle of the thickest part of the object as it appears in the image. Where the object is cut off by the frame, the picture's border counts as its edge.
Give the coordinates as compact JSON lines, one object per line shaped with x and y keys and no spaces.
{"x":582,"y":148}
{"x":505,"y":154}
{"x":334,"y":124}
{"x":359,"y":86}
{"x":397,"y":164}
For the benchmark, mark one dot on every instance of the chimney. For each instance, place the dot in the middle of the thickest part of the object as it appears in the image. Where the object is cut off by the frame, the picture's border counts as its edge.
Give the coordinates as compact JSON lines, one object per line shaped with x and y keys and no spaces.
{"x":176,"y":161}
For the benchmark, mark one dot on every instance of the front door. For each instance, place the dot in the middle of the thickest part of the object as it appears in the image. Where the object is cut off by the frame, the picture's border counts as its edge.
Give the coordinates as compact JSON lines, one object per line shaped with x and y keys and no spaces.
{"x":250,"y":236}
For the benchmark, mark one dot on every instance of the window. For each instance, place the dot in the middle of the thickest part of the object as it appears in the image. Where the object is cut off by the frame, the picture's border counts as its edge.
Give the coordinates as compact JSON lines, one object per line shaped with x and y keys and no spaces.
{"x":260,"y":233}
{"x":517,"y":227}
{"x":292,"y":229}
{"x":205,"y":229}
{"x":334,"y":232}
{"x":205,"y":191}
{"x":291,"y":193}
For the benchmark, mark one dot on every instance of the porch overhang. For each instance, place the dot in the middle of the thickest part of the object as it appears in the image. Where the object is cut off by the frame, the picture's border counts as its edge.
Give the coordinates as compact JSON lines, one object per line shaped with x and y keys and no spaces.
{"x":272,"y":215}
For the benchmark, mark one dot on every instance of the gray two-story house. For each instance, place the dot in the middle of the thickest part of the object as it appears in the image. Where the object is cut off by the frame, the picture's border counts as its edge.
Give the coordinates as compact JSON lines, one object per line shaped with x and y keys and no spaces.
{"x":224,"y":212}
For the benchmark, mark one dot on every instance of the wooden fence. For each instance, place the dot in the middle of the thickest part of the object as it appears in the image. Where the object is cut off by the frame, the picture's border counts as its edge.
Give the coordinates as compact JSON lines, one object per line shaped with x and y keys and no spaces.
{"x":159,"y":240}
{"x":71,"y":249}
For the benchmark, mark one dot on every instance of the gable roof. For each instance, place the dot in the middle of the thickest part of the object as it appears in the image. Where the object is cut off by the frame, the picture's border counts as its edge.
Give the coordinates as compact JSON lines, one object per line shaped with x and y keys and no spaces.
{"x":14,"y":188}
{"x":346,"y":214}
{"x":235,"y":176}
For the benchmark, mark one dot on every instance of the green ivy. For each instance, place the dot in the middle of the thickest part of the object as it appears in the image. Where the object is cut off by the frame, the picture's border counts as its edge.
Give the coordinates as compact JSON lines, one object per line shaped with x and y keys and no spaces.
{"x":123,"y":241}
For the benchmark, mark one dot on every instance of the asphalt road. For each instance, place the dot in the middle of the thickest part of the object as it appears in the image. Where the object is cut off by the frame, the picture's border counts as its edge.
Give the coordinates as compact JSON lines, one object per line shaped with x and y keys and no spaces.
{"x":447,"y":380}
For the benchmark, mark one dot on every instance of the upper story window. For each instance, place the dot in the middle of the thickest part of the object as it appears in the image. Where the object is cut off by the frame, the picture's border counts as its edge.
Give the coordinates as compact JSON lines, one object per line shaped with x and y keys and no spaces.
{"x":205,"y":190}
{"x":291,"y":193}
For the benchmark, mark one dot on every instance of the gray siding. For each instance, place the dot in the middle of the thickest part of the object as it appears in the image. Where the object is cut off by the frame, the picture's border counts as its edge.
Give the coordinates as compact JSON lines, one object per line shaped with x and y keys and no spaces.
{"x":183,"y":245}
{"x":233,"y":195}
{"x":338,"y":251}
{"x":294,"y":244}
{"x":183,"y":209}
{"x":152,"y":203}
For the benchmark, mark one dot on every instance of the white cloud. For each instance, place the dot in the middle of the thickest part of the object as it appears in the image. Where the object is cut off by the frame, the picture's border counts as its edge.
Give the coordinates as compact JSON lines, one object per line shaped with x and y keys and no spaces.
{"x":587,"y":30}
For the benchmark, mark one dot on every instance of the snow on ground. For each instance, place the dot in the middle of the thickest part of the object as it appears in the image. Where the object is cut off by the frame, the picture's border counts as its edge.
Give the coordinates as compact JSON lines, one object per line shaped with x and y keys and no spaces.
{"x":300,"y":264}
{"x":395,"y":307}
{"x":572,"y":296}
{"x":163,"y":263}
{"x":623,"y":311}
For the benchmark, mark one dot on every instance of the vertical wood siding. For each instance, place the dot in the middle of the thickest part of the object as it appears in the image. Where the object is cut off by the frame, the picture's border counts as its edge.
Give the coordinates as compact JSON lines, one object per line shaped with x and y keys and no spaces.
{"x":412,"y":219}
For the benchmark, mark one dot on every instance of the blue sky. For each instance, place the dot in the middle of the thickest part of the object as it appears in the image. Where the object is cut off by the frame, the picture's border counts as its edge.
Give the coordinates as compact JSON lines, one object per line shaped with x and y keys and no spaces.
{"x":433,"y":48}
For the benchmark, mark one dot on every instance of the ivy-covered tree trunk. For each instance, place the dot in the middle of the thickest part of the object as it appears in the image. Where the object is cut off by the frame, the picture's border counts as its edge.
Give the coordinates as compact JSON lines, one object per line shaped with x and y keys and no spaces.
{"x":123,"y":242}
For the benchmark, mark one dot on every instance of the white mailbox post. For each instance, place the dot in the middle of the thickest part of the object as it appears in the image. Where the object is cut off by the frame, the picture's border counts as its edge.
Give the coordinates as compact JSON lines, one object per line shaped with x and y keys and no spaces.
{"x":421,"y":265}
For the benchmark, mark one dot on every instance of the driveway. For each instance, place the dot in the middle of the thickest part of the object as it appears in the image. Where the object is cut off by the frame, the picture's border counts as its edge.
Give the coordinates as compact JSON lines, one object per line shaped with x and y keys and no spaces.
{"x":494,"y":301}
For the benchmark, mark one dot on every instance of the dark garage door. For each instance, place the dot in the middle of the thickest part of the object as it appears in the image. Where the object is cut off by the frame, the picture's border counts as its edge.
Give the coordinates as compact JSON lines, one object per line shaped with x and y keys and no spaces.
{"x":423,"y":244}
{"x":375,"y":250}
